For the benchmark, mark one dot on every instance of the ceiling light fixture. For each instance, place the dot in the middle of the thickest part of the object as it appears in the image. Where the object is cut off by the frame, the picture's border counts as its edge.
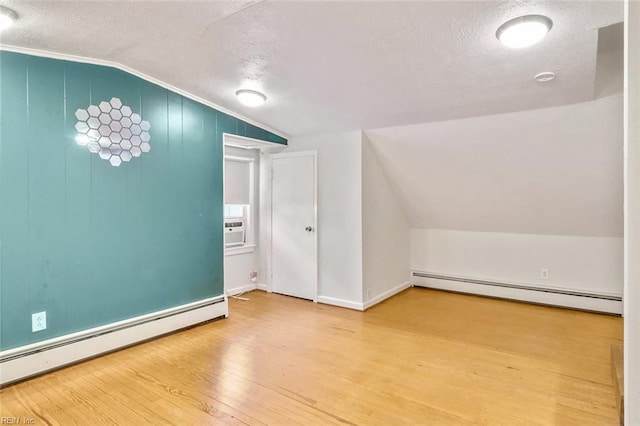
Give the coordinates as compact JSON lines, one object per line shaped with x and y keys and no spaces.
{"x":543,"y":77}
{"x":524,"y":31}
{"x":7,"y":17}
{"x":250,"y":98}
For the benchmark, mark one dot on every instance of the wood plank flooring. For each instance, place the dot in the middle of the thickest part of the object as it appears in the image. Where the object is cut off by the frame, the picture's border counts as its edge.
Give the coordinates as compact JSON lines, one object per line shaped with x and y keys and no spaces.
{"x":423,"y":357}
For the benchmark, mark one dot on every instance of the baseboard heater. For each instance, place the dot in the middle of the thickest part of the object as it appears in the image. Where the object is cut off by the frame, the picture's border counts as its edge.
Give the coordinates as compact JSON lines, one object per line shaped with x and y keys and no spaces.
{"x":599,"y":302}
{"x":37,"y":358}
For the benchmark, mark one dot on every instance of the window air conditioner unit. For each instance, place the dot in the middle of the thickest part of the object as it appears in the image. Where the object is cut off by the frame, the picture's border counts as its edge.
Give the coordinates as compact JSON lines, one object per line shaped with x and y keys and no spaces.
{"x":233,"y":233}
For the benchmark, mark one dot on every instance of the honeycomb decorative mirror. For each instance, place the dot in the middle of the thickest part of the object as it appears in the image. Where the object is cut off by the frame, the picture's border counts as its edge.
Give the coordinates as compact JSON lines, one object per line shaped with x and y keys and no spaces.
{"x":113,"y":131}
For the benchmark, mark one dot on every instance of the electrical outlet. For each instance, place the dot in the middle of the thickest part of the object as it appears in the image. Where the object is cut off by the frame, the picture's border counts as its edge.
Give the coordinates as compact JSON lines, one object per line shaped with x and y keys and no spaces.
{"x":38,"y":321}
{"x":544,"y":273}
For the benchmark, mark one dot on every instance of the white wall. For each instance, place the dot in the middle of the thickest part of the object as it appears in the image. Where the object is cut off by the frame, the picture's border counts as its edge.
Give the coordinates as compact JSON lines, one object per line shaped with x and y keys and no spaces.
{"x":237,"y":268}
{"x":339,"y":215}
{"x":584,"y":264}
{"x":520,"y":191}
{"x":500,"y":197}
{"x":385,"y":233}
{"x":632,"y":216}
{"x":554,"y":171}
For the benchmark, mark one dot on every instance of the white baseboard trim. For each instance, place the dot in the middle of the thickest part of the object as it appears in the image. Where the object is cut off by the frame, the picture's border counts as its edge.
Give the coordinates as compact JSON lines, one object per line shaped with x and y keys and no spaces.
{"x":262,"y":287}
{"x":240,"y":289}
{"x":30,"y":360}
{"x":341,"y":302}
{"x":387,"y":294}
{"x":534,"y":294}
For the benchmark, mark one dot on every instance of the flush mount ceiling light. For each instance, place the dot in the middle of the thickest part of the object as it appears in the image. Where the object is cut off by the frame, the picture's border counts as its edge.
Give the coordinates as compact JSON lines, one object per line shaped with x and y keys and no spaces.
{"x":7,"y":17}
{"x":543,"y":77}
{"x":524,"y":31}
{"x":250,"y":98}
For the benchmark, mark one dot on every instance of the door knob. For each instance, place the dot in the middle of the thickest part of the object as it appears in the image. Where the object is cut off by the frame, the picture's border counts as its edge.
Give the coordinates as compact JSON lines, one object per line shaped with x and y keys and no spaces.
{"x":308,"y":229}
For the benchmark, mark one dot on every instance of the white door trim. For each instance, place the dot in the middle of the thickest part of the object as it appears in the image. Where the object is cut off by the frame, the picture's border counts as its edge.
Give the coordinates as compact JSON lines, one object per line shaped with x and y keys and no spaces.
{"x":314,"y":154}
{"x":263,"y":191}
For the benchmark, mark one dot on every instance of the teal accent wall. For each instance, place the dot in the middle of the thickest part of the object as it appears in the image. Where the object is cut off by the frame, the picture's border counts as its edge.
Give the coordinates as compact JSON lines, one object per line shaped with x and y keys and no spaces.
{"x":90,"y":243}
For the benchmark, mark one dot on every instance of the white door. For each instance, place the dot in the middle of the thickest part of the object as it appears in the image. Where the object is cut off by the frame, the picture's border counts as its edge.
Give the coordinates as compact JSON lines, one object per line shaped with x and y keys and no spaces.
{"x":293,"y":225}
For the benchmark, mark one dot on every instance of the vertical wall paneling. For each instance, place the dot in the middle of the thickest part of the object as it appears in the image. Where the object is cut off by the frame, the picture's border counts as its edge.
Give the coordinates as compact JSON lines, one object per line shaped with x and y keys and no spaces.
{"x":90,"y":243}
{"x":14,"y":196}
{"x":78,"y":250}
{"x":46,"y":189}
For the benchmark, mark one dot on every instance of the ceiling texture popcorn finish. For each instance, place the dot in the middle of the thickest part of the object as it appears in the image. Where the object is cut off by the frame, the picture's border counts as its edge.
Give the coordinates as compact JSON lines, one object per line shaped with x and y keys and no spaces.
{"x":332,"y":66}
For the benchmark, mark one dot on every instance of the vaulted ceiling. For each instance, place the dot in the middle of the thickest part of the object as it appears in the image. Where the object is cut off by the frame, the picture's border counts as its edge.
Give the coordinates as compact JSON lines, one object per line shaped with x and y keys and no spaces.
{"x":331,"y":66}
{"x":554,"y":171}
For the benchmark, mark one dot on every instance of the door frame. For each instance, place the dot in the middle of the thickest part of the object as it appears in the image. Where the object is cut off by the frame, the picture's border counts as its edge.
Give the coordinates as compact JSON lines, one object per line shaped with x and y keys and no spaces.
{"x":262,"y":238}
{"x":295,"y":154}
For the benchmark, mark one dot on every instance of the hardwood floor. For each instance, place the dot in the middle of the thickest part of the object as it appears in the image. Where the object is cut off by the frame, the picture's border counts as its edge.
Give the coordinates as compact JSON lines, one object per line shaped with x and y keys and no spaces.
{"x":421,"y":357}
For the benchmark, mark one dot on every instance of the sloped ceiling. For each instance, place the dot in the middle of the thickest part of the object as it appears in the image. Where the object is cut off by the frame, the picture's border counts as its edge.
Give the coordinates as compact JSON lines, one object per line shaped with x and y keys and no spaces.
{"x":333,"y":66}
{"x":550,"y":171}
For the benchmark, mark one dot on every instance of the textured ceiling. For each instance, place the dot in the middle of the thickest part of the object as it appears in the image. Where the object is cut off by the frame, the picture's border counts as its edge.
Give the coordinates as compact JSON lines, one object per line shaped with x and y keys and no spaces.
{"x":329,"y":66}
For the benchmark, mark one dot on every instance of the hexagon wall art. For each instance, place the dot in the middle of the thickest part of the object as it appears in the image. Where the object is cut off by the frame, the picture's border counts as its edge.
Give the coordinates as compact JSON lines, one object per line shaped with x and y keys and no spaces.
{"x":113,"y":131}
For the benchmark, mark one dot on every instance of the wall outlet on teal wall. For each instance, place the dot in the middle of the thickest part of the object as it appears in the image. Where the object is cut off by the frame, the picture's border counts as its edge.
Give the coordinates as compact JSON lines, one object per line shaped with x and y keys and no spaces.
{"x":39,"y":321}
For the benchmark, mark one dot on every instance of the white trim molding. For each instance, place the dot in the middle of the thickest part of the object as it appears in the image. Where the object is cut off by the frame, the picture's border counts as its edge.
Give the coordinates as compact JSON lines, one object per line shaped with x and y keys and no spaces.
{"x":554,"y":296}
{"x":241,"y":289}
{"x":37,"y":358}
{"x":632,"y":213}
{"x":122,"y":67}
{"x":245,"y":142}
{"x":343,"y":303}
{"x":387,"y":294}
{"x":262,"y":287}
{"x":244,"y":249}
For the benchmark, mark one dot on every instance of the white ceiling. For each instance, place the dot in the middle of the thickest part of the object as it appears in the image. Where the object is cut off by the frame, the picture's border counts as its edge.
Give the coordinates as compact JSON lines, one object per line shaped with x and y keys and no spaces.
{"x":552,"y":171}
{"x":331,"y":66}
